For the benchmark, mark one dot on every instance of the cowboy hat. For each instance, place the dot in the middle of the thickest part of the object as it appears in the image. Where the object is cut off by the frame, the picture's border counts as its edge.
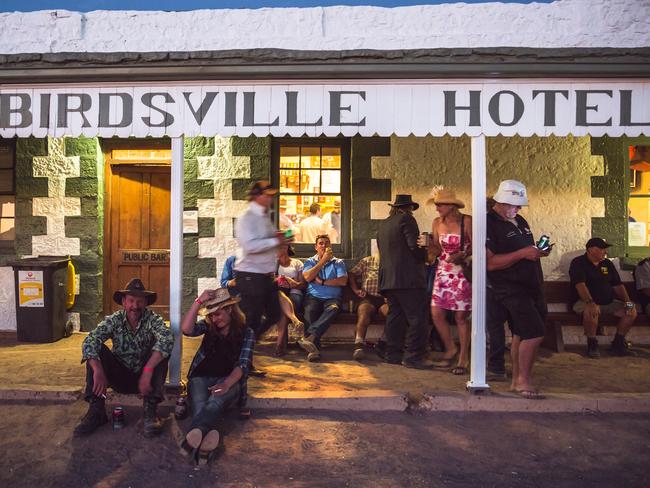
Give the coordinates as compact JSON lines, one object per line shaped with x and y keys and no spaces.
{"x":512,"y":192}
{"x":135,"y":288}
{"x":404,"y":201}
{"x":443,"y":195}
{"x":222,"y":298}
{"x":262,"y":187}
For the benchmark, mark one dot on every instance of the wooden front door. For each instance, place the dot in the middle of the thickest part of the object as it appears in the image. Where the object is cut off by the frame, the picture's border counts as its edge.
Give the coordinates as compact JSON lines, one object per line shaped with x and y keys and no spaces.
{"x":138,"y":223}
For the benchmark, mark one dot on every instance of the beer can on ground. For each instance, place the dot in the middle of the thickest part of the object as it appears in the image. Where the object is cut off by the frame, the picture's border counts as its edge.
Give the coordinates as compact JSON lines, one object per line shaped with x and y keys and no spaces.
{"x":118,"y":417}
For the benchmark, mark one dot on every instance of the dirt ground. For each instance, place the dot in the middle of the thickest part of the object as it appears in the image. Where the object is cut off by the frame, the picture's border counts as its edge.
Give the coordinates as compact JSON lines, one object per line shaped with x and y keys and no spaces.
{"x":324,"y":449}
{"x":56,"y":366}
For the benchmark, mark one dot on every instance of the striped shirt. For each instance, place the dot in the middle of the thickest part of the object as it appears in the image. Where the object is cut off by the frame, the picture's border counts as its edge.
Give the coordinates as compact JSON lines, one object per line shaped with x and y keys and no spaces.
{"x":368,"y":270}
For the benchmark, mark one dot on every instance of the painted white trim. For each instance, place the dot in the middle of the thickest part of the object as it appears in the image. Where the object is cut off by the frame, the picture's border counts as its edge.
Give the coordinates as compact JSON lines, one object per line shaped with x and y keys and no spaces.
{"x":479,"y":232}
{"x":176,"y":258}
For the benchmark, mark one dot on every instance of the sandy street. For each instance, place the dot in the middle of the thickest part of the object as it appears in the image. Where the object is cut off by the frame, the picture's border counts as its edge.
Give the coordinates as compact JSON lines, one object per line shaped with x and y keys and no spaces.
{"x":315,"y":449}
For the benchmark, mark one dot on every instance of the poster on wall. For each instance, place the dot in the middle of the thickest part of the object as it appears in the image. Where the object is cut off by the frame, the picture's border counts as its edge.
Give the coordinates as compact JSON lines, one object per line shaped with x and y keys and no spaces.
{"x":30,"y":289}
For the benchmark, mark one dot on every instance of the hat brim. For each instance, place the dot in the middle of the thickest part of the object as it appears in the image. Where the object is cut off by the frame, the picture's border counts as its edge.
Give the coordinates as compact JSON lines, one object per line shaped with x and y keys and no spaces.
{"x":205,"y":311}
{"x":411,"y":204}
{"x":510,"y":200}
{"x":151,"y":296}
{"x":458,"y":203}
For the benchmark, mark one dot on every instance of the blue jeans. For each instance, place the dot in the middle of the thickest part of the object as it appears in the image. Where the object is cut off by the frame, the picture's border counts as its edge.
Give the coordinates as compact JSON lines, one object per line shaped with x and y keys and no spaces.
{"x":206,"y":407}
{"x":319,"y":315}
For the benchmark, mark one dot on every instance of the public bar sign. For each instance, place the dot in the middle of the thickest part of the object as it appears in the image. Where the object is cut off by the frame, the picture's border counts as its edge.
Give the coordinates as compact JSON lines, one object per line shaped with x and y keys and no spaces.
{"x":145,"y":257}
{"x":488,"y":107}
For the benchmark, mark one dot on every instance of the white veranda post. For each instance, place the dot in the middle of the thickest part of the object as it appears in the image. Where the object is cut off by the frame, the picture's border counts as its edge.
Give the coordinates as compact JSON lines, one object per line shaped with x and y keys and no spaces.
{"x":176,"y":259}
{"x":477,"y":376}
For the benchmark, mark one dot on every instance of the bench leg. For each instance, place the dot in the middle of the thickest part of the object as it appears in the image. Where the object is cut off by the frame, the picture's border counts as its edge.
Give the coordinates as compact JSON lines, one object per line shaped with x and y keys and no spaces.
{"x":553,"y":339}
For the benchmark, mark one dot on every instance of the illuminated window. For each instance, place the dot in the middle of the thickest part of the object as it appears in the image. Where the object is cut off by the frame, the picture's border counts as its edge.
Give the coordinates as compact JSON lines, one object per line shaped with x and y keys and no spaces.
{"x":7,"y":194}
{"x":313,"y":177}
{"x":638,"y":206}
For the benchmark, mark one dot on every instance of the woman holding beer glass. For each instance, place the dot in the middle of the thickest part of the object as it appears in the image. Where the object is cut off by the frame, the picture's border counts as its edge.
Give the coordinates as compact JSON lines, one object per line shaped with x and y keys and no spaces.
{"x":451,"y":243}
{"x":219,"y":371}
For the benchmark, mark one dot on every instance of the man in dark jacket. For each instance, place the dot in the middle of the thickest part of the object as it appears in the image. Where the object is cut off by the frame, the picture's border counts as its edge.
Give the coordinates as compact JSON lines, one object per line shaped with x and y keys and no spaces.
{"x":402,"y":281}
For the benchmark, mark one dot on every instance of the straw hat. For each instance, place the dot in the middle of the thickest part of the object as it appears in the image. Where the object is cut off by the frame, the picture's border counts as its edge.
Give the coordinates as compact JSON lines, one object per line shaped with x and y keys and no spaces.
{"x":221,"y":299}
{"x":444,"y":195}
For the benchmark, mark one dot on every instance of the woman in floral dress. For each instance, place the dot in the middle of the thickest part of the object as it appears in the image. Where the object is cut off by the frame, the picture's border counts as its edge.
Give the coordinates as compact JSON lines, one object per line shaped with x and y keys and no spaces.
{"x":451,"y":290}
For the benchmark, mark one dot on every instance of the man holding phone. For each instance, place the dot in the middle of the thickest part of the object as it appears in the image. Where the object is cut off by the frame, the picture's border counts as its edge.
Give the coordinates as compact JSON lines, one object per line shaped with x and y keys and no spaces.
{"x":515,"y":287}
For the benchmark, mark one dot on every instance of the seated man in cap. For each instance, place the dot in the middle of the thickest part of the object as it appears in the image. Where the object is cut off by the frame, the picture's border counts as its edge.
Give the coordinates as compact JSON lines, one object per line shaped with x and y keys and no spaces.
{"x":142,"y":344}
{"x":325,"y":276}
{"x":599,"y":290}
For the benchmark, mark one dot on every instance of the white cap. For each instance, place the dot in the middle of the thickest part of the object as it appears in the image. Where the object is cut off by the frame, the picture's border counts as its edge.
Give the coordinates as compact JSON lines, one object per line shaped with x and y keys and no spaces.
{"x":512,"y":192}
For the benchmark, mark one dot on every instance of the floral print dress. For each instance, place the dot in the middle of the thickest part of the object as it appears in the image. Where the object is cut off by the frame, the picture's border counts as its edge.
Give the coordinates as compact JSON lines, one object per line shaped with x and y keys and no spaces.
{"x":451,"y":290}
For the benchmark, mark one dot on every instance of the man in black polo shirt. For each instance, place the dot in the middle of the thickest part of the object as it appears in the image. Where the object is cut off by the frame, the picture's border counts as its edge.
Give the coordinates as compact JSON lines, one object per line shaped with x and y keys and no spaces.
{"x":598,"y":290}
{"x":515,"y":287}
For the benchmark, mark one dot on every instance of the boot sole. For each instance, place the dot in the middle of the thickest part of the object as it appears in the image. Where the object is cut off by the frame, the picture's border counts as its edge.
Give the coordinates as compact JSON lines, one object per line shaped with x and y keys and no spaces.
{"x":208,"y":445}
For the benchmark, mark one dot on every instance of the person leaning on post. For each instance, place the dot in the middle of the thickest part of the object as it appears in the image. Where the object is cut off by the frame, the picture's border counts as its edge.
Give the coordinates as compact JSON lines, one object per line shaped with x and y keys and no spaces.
{"x":515,"y":287}
{"x":137,"y":363}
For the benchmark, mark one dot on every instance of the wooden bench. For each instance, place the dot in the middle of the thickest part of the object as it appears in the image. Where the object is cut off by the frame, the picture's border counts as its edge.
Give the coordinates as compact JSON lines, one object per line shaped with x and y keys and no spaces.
{"x":559,"y":293}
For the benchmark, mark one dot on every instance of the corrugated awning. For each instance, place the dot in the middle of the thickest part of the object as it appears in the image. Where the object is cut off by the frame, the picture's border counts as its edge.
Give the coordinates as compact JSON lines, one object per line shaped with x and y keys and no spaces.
{"x":402,"y":108}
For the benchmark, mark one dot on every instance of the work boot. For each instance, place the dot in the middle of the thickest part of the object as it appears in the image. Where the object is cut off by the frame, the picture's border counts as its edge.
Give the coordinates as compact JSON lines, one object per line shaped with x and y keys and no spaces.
{"x":359,"y":353}
{"x":152,"y":424}
{"x":592,"y":348}
{"x":620,"y":347}
{"x":94,"y":418}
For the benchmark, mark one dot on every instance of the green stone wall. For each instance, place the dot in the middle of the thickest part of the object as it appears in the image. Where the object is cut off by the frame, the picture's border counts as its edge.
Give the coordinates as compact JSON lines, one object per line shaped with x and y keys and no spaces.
{"x":88,"y":227}
{"x":614,"y":188}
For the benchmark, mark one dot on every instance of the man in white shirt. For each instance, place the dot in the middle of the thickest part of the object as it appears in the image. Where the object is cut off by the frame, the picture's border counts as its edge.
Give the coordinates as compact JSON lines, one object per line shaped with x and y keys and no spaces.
{"x":313,"y":225}
{"x":256,"y":261}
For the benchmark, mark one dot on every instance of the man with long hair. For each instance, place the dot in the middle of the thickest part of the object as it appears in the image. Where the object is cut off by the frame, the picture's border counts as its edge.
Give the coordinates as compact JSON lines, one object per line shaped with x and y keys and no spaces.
{"x":402,"y":280}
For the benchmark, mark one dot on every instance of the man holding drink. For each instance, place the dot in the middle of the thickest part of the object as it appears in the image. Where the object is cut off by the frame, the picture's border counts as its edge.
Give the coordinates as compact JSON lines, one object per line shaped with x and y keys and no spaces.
{"x":325,"y":276}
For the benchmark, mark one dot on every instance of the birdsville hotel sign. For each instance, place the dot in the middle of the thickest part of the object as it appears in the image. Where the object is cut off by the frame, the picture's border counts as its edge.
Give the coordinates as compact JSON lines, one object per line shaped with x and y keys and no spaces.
{"x":421,"y":108}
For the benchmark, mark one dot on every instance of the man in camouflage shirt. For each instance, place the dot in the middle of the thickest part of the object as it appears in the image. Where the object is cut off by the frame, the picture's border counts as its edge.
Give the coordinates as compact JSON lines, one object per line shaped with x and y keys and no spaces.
{"x":142,"y":344}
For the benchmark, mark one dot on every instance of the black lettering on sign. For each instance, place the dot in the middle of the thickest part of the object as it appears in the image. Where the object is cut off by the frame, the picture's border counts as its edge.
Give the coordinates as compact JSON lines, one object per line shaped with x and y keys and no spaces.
{"x":145,"y":257}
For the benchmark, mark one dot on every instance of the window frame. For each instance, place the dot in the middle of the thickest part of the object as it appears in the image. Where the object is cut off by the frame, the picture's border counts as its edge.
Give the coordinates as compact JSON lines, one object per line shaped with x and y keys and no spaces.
{"x":632,"y":252}
{"x":306,"y":250}
{"x":8,"y":245}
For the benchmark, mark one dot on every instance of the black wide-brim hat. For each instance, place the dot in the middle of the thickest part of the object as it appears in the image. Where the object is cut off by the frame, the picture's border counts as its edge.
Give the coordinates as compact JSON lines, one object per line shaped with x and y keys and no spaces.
{"x":136,"y":289}
{"x":404,"y":201}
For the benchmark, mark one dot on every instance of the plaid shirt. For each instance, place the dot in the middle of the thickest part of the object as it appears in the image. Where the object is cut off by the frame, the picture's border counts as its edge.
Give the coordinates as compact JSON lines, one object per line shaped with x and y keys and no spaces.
{"x":368,"y":269}
{"x":131,"y":347}
{"x":245,"y":357}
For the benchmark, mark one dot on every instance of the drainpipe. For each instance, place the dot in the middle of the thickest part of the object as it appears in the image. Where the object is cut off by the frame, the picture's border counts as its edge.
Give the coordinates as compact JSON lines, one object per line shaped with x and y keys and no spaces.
{"x":477,"y":383}
{"x":176,"y":259}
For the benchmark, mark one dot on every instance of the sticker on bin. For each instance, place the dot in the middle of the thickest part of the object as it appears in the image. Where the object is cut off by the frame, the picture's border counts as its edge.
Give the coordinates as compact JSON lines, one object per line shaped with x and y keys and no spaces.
{"x":30,"y":289}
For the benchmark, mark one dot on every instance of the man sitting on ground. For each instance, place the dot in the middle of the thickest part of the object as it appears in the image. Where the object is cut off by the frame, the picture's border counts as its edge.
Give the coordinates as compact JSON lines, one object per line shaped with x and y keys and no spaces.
{"x":142,"y":344}
{"x":600,"y":291}
{"x":367,"y":272}
{"x":326,"y":276}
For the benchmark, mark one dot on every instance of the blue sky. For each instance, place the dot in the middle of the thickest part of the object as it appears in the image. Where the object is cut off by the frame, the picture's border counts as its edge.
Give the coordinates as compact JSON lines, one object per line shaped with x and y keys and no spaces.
{"x":88,"y":5}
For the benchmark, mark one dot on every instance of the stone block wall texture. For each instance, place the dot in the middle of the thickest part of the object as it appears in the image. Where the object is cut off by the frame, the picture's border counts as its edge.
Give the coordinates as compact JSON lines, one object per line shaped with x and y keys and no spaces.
{"x":557,"y":171}
{"x":59,"y":206}
{"x":224,"y":168}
